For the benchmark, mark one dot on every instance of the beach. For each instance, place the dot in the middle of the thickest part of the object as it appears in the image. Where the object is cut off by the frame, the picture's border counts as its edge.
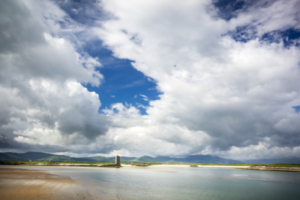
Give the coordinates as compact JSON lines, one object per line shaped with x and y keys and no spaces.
{"x":202,"y":166}
{"x":30,"y":184}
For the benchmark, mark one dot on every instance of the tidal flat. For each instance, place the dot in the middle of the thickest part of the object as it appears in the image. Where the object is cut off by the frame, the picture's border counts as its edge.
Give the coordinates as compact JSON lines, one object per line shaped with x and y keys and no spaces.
{"x":32,"y":184}
{"x":155,"y":183}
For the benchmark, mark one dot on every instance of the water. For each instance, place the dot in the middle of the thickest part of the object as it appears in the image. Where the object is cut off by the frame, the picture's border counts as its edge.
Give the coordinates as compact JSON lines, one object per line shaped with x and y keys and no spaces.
{"x":167,"y":183}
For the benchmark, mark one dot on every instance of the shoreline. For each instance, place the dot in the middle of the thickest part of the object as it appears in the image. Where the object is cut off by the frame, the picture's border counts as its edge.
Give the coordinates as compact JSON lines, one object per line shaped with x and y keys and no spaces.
{"x":264,"y":168}
{"x":282,"y":169}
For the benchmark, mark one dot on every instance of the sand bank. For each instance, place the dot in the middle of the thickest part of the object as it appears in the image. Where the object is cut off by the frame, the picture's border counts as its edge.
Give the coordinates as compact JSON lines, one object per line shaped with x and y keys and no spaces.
{"x":132,"y":167}
{"x":202,"y":166}
{"x":224,"y":166}
{"x":36,"y":185}
{"x":170,"y":165}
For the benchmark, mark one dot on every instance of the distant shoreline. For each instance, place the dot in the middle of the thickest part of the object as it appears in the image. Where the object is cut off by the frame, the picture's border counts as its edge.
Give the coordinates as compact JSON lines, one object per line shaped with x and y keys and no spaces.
{"x":264,"y":168}
{"x":283,"y":169}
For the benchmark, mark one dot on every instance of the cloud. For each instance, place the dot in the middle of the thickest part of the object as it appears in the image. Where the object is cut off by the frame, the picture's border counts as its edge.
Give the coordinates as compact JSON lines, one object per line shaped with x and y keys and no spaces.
{"x":266,"y":16}
{"x":44,"y":105}
{"x":231,"y":93}
{"x":145,"y":98}
{"x":237,"y":94}
{"x":134,"y":84}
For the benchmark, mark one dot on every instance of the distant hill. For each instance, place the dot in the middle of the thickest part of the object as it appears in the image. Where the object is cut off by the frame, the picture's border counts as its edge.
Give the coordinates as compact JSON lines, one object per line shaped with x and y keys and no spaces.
{"x":271,"y":161}
{"x":205,"y":159}
{"x":190,"y":159}
{"x":33,"y":156}
{"x":38,"y":156}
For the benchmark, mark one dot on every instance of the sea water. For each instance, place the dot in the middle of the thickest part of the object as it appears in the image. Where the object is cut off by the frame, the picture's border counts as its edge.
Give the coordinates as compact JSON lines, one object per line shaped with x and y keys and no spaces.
{"x":179,"y":183}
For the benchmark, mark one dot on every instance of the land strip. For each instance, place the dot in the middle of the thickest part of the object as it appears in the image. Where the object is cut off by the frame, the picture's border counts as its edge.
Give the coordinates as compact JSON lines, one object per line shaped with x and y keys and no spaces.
{"x":269,"y":167}
{"x":285,"y":169}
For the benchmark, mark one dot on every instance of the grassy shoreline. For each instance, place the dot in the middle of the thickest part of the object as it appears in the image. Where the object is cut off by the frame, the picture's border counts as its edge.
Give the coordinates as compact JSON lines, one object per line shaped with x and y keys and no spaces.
{"x":270,"y":167}
{"x":144,"y":164}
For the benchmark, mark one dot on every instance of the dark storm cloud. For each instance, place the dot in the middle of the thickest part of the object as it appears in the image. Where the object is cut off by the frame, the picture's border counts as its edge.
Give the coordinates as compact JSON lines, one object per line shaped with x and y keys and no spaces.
{"x":18,"y":29}
{"x":79,"y":121}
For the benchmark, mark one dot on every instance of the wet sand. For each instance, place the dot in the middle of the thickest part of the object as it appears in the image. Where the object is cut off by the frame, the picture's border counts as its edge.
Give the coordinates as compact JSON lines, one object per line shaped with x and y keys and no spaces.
{"x":37,"y":185}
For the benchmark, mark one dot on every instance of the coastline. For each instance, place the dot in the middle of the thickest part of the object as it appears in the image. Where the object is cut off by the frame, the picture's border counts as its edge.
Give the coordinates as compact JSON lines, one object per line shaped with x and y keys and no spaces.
{"x":126,"y":166}
{"x":224,"y":166}
{"x":264,"y":168}
{"x":283,"y":169}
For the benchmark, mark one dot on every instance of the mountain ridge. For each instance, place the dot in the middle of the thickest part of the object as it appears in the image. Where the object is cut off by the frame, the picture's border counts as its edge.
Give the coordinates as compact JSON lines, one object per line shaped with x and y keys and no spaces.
{"x":40,"y":156}
{"x":205,"y":159}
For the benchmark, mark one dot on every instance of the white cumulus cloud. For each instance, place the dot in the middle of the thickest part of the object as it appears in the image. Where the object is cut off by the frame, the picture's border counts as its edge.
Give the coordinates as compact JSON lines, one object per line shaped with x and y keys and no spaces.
{"x":223,"y":95}
{"x":43,"y":103}
{"x":225,"y":88}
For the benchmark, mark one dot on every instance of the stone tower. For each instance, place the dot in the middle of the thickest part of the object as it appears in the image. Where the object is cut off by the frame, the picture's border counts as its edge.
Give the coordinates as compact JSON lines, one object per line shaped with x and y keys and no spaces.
{"x":117,"y":161}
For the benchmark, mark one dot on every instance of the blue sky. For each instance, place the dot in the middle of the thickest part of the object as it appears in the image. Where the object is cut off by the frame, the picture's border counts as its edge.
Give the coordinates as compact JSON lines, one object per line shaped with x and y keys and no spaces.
{"x":122,"y":83}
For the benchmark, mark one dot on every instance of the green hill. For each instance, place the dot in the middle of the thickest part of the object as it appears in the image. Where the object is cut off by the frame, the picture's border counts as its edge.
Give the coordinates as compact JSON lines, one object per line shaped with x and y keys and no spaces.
{"x":38,"y":156}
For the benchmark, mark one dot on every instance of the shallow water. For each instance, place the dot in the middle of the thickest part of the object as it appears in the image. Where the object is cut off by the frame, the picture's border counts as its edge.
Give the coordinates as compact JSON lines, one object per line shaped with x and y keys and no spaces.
{"x":167,"y":183}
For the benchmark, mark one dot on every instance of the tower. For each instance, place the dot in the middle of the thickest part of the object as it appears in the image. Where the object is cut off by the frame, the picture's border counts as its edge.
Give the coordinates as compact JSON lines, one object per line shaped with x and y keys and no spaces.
{"x":117,"y":161}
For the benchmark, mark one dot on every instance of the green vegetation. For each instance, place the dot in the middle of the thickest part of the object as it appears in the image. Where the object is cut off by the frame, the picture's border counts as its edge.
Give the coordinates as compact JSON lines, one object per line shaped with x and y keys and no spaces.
{"x":144,"y":164}
{"x":258,"y":165}
{"x":141,"y":163}
{"x":50,"y":162}
{"x":32,"y":158}
{"x":279,"y":165}
{"x":56,"y":158}
{"x":39,"y":156}
{"x":12,"y":163}
{"x":237,"y":164}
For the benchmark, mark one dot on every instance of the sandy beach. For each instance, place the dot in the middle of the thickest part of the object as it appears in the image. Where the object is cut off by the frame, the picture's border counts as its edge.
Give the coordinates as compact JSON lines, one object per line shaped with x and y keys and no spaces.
{"x":36,"y":185}
{"x":224,"y":166}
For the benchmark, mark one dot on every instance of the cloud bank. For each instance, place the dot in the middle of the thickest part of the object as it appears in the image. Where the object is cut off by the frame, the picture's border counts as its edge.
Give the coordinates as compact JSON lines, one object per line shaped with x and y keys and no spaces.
{"x":43,"y":102}
{"x":228,"y":79}
{"x":225,"y":89}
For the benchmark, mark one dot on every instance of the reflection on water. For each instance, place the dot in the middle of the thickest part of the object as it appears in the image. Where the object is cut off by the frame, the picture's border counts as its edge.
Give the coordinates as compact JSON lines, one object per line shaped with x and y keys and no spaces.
{"x":167,"y":183}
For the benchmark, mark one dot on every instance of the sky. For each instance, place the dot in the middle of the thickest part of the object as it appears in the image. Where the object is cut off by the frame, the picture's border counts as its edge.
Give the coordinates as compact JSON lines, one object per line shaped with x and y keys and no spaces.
{"x":152,"y":77}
